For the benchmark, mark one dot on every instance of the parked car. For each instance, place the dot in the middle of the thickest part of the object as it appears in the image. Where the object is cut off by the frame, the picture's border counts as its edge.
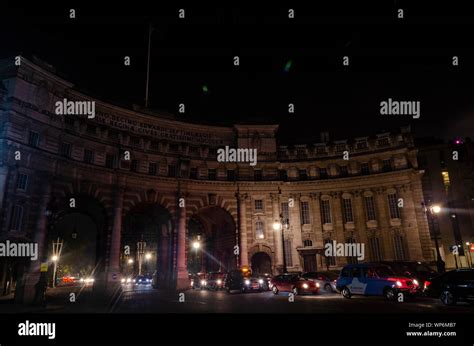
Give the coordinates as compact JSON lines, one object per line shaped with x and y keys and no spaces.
{"x":373,"y":280}
{"x":143,"y":280}
{"x":236,"y":280}
{"x":418,"y":271}
{"x":323,"y":280}
{"x":215,"y":280}
{"x":264,"y":280}
{"x":451,"y":287}
{"x":294,"y":283}
{"x":198,"y":281}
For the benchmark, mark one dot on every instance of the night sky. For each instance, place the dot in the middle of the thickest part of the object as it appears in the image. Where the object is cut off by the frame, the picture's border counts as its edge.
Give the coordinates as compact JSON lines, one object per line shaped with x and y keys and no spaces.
{"x":408,"y":60}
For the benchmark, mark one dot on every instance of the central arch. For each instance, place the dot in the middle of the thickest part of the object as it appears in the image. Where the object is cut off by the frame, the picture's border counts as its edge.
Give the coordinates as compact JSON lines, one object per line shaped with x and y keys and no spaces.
{"x":150,"y":224}
{"x":213,"y":228}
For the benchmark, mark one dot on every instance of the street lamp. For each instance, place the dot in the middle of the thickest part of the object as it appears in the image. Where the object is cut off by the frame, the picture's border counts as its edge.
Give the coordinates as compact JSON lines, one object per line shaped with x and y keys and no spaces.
{"x":279,"y":225}
{"x":130,"y":261}
{"x":141,"y":245}
{"x":148,"y":256}
{"x":431,"y":212}
{"x":196,"y":245}
{"x":57,"y":248}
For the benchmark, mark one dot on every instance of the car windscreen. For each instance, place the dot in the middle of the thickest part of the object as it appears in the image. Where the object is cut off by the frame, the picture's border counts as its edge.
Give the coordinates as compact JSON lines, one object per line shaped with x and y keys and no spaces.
{"x":383,"y":272}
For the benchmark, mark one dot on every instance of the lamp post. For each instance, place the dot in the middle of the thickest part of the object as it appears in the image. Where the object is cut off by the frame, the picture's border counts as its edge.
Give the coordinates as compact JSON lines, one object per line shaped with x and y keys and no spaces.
{"x":196,"y":246}
{"x":57,"y":248}
{"x":280,"y":225}
{"x":141,"y":245}
{"x":431,"y":212}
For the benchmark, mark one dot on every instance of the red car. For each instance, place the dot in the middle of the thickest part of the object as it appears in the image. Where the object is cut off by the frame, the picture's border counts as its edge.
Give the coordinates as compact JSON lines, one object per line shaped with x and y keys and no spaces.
{"x":293,"y":283}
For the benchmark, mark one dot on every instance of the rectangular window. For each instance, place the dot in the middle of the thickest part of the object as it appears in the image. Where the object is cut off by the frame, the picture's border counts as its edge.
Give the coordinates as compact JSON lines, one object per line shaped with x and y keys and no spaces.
{"x":288,"y":253}
{"x":323,"y":173}
{"x":258,"y":205}
{"x":330,"y":260}
{"x":351,"y":259}
{"x":375,"y":250}
{"x":326,"y":211}
{"x":370,"y":208}
{"x":152,"y":168}
{"x":364,"y":168}
{"x":110,"y":161}
{"x":172,"y":171}
{"x":304,"y":208}
{"x":231,"y":175}
{"x":33,"y":139}
{"x":17,"y":218}
{"x":399,"y":245}
{"x":361,"y":145}
{"x":393,"y":206}
{"x":283,"y":174}
{"x":347,"y":210}
{"x":303,"y":174}
{"x":65,"y":149}
{"x":259,"y":230}
{"x":22,"y":182}
{"x":134,"y":166}
{"x":193,"y":173}
{"x":383,"y":142}
{"x":285,"y":212}
{"x":387,"y":165}
{"x":212,"y":174}
{"x":88,"y":156}
{"x":257,"y":175}
{"x":344,"y":171}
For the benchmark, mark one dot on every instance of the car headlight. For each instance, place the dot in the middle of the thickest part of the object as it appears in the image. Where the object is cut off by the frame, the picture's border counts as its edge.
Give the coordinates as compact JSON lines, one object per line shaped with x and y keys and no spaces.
{"x":129,"y":280}
{"x":317,"y":284}
{"x":123,"y":280}
{"x":247,"y":282}
{"x":305,"y":286}
{"x":203,"y":282}
{"x":260,"y":281}
{"x":415,"y":282}
{"x":139,"y":280}
{"x":219,"y":282}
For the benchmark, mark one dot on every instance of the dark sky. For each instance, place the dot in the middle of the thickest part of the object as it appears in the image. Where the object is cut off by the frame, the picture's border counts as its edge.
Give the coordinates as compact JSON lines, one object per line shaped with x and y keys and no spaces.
{"x":407,"y":60}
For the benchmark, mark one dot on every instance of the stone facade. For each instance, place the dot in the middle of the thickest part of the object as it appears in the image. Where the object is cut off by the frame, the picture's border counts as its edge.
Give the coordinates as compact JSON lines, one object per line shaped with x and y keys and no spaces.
{"x":172,"y":161}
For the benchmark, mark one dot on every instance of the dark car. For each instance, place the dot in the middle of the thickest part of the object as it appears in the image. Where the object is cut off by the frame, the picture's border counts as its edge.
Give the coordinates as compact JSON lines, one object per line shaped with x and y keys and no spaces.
{"x":236,"y":280}
{"x":451,"y":287}
{"x":215,"y":280}
{"x":198,"y":281}
{"x":143,"y":280}
{"x":419,"y":272}
{"x":294,"y":283}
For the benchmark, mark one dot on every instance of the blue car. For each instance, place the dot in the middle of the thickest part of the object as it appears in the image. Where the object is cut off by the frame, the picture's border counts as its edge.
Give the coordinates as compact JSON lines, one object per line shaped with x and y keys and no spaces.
{"x":373,"y":280}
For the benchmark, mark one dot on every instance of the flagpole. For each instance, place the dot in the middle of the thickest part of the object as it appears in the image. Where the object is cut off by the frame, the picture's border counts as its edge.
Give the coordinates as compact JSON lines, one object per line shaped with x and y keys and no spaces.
{"x":148,"y":64}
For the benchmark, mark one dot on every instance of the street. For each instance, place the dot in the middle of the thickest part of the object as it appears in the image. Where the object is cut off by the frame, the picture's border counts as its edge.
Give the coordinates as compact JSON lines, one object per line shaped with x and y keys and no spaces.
{"x":144,"y":299}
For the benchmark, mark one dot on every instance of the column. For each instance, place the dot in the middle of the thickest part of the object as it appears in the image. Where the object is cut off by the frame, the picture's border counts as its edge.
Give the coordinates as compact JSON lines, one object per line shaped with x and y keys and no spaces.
{"x":360,"y":221}
{"x":338,"y":224}
{"x":243,"y":251}
{"x":295,"y":226}
{"x":276,"y":234}
{"x":26,"y":290}
{"x":182,"y":272}
{"x":114,"y":259}
{"x":383,"y":216}
{"x":317,"y":225}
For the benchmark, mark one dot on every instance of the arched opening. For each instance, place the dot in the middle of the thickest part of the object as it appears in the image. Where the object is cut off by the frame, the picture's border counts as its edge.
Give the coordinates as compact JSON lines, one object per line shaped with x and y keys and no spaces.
{"x":147,"y":243}
{"x":211,"y":241}
{"x":79,"y":225}
{"x":261,"y":263}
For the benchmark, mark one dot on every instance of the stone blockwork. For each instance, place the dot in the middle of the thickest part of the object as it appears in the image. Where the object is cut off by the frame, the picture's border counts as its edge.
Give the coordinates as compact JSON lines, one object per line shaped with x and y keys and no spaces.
{"x":169,"y":160}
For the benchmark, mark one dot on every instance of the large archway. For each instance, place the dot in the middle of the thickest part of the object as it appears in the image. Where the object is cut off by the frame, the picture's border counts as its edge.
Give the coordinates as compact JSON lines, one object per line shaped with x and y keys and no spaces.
{"x":211,"y":241}
{"x":80,"y":225}
{"x":147,"y":243}
{"x":261,"y":263}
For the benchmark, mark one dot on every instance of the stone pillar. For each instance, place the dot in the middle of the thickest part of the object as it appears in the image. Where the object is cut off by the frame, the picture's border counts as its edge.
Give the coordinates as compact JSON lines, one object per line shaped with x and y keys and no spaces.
{"x":26,"y":285}
{"x":113,"y":270}
{"x":317,"y":225}
{"x":295,"y":226}
{"x":338,"y":224}
{"x":360,"y":221}
{"x":383,"y":217}
{"x":3,"y":184}
{"x":276,"y":234}
{"x":182,"y":281}
{"x":243,"y":251}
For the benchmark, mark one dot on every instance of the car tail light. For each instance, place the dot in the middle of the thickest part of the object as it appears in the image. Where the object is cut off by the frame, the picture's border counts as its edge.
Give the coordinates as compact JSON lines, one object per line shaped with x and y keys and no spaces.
{"x":427,"y":283}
